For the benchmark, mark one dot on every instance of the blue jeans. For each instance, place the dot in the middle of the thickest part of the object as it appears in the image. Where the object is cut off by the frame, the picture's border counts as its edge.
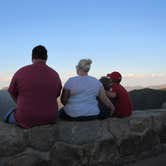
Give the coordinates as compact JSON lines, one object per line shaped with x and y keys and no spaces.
{"x":7,"y":106}
{"x":9,"y":117}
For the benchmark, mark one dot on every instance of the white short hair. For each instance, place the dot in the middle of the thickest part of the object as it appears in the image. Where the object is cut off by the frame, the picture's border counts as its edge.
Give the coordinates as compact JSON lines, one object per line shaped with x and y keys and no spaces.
{"x":84,"y":64}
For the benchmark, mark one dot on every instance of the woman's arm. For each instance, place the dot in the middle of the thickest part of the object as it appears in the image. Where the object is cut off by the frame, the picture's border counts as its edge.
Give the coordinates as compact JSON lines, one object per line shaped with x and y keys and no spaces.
{"x":105,"y":100}
{"x":65,"y":96}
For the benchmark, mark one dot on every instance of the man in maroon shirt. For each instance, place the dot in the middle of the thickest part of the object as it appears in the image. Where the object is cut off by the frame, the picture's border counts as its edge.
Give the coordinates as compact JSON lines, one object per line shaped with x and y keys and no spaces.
{"x":123,"y":105}
{"x":35,"y":89}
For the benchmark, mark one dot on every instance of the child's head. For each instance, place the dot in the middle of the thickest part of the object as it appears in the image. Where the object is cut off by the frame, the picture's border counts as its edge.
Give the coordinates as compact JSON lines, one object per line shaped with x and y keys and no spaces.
{"x":115,"y":76}
{"x":107,"y":83}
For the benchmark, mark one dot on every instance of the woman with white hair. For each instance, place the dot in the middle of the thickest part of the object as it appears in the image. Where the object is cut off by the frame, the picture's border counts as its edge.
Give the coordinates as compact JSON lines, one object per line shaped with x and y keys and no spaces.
{"x":80,"y":93}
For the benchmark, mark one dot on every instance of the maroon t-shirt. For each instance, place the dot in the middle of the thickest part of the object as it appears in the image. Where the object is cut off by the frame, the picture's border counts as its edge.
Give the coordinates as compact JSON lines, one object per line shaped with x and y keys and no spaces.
{"x":35,"y":88}
{"x":123,"y":105}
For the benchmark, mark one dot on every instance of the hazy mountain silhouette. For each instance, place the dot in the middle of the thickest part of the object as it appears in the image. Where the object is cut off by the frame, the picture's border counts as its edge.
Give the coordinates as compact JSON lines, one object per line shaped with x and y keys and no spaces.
{"x":130,"y":88}
{"x":147,"y":98}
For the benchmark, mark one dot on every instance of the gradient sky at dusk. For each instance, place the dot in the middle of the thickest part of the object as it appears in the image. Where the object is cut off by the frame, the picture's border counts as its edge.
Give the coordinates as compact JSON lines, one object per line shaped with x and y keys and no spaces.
{"x":124,"y":35}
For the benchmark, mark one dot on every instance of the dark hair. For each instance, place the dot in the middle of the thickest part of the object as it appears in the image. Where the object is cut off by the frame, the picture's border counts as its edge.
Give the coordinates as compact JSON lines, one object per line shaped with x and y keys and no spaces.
{"x":39,"y":52}
{"x":106,"y":82}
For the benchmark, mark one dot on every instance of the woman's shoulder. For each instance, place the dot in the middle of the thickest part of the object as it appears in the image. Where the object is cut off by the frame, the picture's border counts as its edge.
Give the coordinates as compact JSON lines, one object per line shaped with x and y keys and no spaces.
{"x":94,"y":81}
{"x":80,"y":79}
{"x":72,"y":78}
{"x":93,"y":78}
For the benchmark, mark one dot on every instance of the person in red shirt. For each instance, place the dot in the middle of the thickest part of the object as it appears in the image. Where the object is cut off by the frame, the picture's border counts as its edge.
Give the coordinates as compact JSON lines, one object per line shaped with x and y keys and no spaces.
{"x":123,"y":104}
{"x":35,"y":89}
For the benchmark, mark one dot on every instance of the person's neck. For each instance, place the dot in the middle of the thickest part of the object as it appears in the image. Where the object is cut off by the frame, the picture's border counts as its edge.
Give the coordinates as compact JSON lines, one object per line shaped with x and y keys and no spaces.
{"x":34,"y":61}
{"x":82,"y":73}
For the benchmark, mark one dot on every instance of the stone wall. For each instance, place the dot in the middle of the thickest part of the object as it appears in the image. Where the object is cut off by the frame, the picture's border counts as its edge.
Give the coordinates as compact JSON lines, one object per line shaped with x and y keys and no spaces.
{"x":109,"y":142}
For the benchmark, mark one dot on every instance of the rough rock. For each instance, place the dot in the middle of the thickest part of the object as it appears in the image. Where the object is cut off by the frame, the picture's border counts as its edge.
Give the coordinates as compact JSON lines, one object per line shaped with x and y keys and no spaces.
{"x":163,"y":105}
{"x":108,"y":142}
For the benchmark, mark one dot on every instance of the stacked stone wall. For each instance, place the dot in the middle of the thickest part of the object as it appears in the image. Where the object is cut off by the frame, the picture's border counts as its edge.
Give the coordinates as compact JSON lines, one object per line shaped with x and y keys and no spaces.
{"x":109,"y":142}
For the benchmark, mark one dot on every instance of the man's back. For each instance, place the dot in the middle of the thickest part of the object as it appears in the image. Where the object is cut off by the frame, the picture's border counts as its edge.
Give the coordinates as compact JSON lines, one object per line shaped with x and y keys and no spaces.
{"x":35,"y":88}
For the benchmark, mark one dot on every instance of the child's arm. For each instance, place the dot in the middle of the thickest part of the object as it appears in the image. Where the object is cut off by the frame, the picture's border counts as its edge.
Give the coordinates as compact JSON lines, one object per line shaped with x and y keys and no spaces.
{"x":105,"y":100}
{"x":111,"y":94}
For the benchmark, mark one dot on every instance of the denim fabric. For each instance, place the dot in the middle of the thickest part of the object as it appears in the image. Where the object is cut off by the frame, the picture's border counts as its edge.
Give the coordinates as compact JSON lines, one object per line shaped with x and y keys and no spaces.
{"x":6,"y":104}
{"x":9,"y":117}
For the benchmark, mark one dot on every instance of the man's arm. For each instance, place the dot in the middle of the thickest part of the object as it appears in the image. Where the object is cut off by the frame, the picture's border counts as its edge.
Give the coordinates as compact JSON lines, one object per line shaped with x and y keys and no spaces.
{"x":60,"y":88}
{"x":13,"y":88}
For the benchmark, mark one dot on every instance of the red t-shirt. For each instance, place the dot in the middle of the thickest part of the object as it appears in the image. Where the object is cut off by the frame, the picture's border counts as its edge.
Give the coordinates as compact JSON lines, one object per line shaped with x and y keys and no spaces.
{"x":35,"y":88}
{"x":123,"y":106}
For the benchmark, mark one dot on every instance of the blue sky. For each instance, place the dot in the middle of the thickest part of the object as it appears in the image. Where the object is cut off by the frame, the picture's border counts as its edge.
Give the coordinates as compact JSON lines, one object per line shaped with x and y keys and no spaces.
{"x":124,"y":35}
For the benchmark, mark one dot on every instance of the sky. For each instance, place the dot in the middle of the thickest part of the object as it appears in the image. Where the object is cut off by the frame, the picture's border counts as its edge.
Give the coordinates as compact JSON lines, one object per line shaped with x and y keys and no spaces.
{"x":128,"y":36}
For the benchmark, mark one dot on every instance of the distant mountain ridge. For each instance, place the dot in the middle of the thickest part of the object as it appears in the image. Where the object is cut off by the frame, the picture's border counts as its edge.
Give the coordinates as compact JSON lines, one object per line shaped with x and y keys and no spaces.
{"x":147,"y":98}
{"x":143,"y":98}
{"x":130,"y":88}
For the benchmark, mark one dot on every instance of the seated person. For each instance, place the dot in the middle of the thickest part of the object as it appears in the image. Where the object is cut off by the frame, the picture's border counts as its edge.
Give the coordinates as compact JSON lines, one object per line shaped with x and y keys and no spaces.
{"x":79,"y":95}
{"x":123,"y":105}
{"x":35,"y":89}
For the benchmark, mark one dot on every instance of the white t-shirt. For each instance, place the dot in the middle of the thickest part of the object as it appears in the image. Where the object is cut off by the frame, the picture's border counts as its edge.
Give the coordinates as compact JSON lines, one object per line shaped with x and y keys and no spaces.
{"x":83,"y":93}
